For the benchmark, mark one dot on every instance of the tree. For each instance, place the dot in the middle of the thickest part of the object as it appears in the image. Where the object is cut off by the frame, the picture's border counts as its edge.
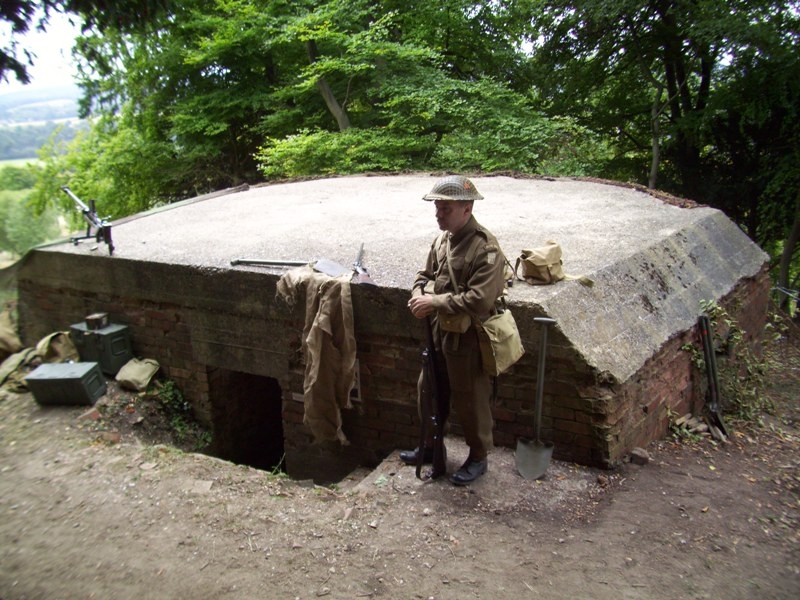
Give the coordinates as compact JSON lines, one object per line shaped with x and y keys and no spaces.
{"x":755,"y":158}
{"x":706,"y":90}
{"x":16,"y":178}
{"x":22,"y":228}
{"x":23,"y":15}
{"x":617,"y":65}
{"x":207,"y":85}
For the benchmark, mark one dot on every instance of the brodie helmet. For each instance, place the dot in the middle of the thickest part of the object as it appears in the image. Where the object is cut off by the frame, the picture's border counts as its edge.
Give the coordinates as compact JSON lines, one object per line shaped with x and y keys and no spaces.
{"x":453,"y":187}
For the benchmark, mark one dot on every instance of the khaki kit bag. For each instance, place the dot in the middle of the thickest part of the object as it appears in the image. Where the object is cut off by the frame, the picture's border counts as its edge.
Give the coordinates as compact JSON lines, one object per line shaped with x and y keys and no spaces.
{"x":137,"y":373}
{"x":500,"y":342}
{"x":543,"y":266}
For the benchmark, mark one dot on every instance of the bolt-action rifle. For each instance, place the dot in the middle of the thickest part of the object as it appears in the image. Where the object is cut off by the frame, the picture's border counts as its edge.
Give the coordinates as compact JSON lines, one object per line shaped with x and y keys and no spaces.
{"x":323,"y":265}
{"x":102,"y":226}
{"x":360,"y":274}
{"x":435,"y":406}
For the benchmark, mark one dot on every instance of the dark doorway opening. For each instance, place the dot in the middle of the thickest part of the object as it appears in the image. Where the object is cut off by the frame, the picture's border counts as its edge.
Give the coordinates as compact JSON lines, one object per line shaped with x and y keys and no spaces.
{"x":247,"y":420}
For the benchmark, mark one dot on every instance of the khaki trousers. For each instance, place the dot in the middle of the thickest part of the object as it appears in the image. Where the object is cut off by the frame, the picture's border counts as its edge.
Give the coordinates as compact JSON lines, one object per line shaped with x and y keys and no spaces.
{"x":470,"y":389}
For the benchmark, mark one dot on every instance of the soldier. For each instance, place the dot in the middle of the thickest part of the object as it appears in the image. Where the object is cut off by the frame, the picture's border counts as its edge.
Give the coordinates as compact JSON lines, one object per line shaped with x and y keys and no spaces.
{"x":462,"y":279}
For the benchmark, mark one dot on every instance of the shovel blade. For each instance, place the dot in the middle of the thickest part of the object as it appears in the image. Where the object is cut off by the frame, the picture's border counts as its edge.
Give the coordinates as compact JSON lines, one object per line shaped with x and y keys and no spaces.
{"x":533,"y":457}
{"x":330,"y":268}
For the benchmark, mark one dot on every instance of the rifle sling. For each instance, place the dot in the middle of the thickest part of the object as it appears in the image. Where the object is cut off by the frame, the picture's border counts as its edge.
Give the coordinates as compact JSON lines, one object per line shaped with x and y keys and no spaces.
{"x":459,"y":285}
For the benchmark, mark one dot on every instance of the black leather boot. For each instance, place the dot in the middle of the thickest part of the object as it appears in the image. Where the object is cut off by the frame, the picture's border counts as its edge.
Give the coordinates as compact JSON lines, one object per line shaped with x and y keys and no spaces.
{"x":469,"y":471}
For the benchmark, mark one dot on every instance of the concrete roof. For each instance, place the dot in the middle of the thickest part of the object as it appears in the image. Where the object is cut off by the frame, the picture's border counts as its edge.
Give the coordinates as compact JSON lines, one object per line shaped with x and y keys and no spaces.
{"x":652,"y":261}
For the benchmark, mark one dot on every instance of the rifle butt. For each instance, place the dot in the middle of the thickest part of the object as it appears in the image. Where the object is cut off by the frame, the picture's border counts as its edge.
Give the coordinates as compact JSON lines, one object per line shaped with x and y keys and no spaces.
{"x":435,"y":406}
{"x":363,"y":279}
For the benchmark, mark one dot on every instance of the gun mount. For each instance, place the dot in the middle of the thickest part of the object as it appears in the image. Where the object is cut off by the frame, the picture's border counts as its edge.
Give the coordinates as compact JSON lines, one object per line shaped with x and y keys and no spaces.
{"x":102,"y":226}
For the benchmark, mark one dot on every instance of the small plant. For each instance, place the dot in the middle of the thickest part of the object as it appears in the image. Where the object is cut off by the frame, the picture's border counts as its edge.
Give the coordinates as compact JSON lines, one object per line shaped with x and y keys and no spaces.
{"x":279,"y":470}
{"x":171,"y":398}
{"x":698,"y":360}
{"x":741,"y":374}
{"x":179,"y":414}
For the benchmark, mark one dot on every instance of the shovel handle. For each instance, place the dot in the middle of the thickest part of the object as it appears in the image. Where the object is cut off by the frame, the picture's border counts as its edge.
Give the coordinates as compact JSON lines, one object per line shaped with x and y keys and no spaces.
{"x":268,"y":263}
{"x":544,"y":321}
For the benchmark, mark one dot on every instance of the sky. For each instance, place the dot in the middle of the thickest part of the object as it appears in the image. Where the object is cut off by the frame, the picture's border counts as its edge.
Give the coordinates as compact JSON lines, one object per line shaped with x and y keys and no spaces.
{"x":53,"y":64}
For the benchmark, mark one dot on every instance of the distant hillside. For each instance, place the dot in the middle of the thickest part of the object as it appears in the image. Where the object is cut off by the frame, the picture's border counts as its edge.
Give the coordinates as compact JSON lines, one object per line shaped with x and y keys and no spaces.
{"x":39,"y":105}
{"x":28,"y":119}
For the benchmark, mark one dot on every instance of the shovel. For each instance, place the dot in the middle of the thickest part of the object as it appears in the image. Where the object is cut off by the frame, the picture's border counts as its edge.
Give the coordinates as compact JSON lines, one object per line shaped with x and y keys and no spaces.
{"x":327,"y":267}
{"x":533,"y":456}
{"x":712,"y":400}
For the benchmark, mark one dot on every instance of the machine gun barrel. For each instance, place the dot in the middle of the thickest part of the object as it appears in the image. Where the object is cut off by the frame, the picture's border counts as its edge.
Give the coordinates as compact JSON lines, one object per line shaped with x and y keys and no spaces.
{"x":81,"y":206}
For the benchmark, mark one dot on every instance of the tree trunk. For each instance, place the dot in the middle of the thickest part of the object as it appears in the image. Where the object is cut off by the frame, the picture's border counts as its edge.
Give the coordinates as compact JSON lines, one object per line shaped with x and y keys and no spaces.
{"x":786,"y":257}
{"x":327,"y":93}
{"x":655,"y":115}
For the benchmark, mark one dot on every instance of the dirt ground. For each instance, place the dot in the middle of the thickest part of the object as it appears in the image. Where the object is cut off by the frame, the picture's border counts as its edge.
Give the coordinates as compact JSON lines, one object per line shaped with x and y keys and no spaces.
{"x":111,"y":507}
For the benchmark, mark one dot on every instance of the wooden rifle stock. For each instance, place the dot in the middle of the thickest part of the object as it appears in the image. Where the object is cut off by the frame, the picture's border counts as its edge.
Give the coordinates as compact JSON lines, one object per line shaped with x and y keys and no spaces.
{"x":435,"y":404}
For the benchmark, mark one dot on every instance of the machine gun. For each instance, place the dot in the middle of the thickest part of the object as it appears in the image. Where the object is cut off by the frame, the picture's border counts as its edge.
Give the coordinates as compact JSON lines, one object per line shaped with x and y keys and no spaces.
{"x":102,"y":226}
{"x":435,"y":407}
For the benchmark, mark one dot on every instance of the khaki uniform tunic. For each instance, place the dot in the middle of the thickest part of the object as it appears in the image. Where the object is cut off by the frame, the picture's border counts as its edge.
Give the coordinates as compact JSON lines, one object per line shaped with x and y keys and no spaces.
{"x":478,"y":266}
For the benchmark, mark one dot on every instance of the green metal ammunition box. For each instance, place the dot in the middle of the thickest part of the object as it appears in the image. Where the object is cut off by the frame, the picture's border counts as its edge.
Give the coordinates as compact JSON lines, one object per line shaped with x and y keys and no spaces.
{"x":66,"y":383}
{"x":109,"y":346}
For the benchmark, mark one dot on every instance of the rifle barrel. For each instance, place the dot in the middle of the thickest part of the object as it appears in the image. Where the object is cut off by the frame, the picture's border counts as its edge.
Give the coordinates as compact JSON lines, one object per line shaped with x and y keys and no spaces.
{"x":361,"y":275}
{"x":358,"y":265}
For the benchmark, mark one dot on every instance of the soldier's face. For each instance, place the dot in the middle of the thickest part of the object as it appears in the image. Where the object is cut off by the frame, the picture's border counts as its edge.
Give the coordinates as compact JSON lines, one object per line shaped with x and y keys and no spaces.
{"x":451,"y":215}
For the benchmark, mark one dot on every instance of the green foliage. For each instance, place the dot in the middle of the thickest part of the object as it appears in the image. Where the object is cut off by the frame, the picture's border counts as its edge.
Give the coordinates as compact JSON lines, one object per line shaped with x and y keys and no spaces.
{"x":113,"y":166}
{"x":20,"y":228}
{"x":574,"y":150}
{"x":532,"y":144}
{"x":236,"y":90}
{"x":713,"y":87}
{"x":16,"y":178}
{"x":350,"y":151}
{"x":552,"y":151}
{"x":740,"y":372}
{"x":454,"y":125}
{"x":206,"y":95}
{"x":8,"y":200}
{"x":20,"y":16}
{"x":179,"y":413}
{"x":24,"y":230}
{"x":680,"y":431}
{"x":171,"y":398}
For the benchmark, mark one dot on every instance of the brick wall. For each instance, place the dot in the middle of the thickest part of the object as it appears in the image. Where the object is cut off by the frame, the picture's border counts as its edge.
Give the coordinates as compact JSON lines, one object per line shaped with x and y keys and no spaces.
{"x":194,"y":322}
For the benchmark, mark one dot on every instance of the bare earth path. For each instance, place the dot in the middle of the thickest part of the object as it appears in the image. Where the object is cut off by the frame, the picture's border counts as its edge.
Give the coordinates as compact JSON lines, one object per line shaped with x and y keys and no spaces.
{"x":88,"y":510}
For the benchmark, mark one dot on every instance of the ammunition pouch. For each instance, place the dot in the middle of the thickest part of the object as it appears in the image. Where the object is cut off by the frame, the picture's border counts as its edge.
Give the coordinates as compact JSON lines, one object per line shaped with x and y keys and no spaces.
{"x":456,"y":323}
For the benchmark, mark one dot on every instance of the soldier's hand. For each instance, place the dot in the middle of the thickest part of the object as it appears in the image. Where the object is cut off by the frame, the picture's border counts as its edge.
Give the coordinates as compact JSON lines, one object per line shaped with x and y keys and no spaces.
{"x":421,"y":306}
